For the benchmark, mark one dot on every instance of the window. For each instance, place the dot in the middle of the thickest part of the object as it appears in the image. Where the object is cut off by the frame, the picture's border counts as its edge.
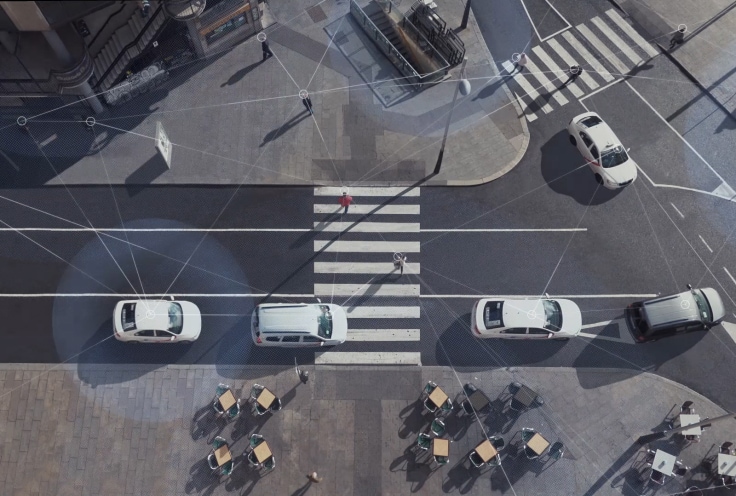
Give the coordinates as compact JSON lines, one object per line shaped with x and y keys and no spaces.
{"x":164,"y":334}
{"x":273,"y":339}
{"x":594,"y":152}
{"x":534,"y":330}
{"x":588,"y":142}
{"x":515,"y":330}
{"x":128,"y":317}
{"x":324,"y":322}
{"x":176,"y":318}
{"x":553,"y":314}
{"x":311,"y":339}
{"x":703,"y":307}
{"x":591,"y":121}
{"x":145,"y":334}
{"x":290,"y":339}
{"x":613,"y":157}
{"x":493,"y":315}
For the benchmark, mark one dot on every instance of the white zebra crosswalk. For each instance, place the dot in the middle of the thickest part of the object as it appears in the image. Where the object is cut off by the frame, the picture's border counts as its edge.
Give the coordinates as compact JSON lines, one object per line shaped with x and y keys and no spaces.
{"x":617,"y":44}
{"x":354,"y":268}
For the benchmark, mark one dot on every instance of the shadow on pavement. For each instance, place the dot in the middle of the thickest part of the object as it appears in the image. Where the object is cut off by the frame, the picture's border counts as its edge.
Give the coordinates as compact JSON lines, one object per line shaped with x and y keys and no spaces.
{"x":238,"y":75}
{"x":145,"y":174}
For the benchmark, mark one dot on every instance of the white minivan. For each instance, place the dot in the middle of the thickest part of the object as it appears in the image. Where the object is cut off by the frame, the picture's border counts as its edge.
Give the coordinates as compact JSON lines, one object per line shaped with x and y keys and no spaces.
{"x":298,"y":324}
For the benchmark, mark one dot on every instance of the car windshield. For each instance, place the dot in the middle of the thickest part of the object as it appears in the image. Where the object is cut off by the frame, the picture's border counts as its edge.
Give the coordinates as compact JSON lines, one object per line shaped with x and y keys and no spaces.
{"x":553,"y":314}
{"x":591,"y":121}
{"x":703,"y":306}
{"x":613,"y":157}
{"x":324,"y":322}
{"x":493,"y":315}
{"x":127,"y":317}
{"x":176,"y":318}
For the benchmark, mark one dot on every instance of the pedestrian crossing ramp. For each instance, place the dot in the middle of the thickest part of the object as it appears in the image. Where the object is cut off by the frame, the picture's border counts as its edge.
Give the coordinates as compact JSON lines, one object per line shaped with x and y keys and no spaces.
{"x":354,"y":268}
{"x":606,"y":46}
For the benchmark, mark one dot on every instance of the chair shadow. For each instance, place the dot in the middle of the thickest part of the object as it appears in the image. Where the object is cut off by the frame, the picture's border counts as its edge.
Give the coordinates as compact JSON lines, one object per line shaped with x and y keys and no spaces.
{"x":203,"y":478}
{"x":414,"y":422}
{"x":205,"y":423}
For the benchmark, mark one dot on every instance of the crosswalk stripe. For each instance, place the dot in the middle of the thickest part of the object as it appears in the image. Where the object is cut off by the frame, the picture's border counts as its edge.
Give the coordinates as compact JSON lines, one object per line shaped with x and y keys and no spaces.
{"x":371,"y":290}
{"x":542,"y":55}
{"x":366,"y":312}
{"x":367,"y":246}
{"x":616,"y":39}
{"x":365,"y":191}
{"x":371,"y":227}
{"x":320,"y":208}
{"x":530,"y":116}
{"x":362,"y":268}
{"x":564,"y":55}
{"x":544,"y":80}
{"x":587,"y":56}
{"x":603,"y":49}
{"x":631,"y":32}
{"x":369,"y":358}
{"x":383,"y":335}
{"x":528,"y":88}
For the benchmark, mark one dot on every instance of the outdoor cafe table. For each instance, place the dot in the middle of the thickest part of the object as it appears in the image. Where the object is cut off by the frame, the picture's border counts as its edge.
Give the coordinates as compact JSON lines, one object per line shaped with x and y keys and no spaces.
{"x":222,"y":455}
{"x":486,"y":451}
{"x":262,"y":451}
{"x":727,"y":464}
{"x":266,"y":398}
{"x":525,"y":396}
{"x":538,"y":444}
{"x":438,"y":397}
{"x":664,"y":462}
{"x":478,"y":400}
{"x":227,"y":400}
{"x":440,"y":447}
{"x":688,"y":419}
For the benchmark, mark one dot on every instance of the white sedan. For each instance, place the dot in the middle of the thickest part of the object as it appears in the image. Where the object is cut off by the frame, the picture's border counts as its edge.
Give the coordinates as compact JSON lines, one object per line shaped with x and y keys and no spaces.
{"x":606,"y":156}
{"x":525,"y":319}
{"x":156,"y":321}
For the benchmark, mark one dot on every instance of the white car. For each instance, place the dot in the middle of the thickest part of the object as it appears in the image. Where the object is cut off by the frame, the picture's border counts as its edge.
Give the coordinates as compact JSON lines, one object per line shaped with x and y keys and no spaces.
{"x":606,"y":156}
{"x":525,"y":319}
{"x":299,"y":324}
{"x":156,"y":321}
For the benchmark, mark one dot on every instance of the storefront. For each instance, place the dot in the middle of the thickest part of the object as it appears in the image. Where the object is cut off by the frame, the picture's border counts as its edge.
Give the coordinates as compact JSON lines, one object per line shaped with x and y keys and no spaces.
{"x":223,"y":24}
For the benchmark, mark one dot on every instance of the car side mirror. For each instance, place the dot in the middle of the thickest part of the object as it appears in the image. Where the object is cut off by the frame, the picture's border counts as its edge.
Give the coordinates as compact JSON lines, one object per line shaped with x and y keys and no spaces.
{"x":173,"y":338}
{"x":628,"y":150}
{"x":689,"y":286}
{"x":319,"y":301}
{"x":171,"y":298}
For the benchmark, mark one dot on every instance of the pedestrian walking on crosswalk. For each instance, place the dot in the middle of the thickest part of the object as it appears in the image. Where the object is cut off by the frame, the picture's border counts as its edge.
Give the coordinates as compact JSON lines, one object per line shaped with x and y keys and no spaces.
{"x":521,"y":63}
{"x":399,"y":262}
{"x":574,"y":73}
{"x":345,"y":200}
{"x":678,"y":37}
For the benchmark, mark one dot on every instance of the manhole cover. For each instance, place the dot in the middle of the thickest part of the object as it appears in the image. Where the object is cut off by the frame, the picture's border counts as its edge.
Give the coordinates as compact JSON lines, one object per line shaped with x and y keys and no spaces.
{"x":316,"y":13}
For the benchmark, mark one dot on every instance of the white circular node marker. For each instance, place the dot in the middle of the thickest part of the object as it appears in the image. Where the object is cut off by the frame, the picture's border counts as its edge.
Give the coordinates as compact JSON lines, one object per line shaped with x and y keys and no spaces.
{"x":532,"y":314}
{"x":682,"y":28}
{"x":397,"y":256}
{"x":90,"y":121}
{"x":22,"y":121}
{"x":150,"y":314}
{"x":303,"y":94}
{"x":345,"y":190}
{"x":574,"y":69}
{"x":261,"y":37}
{"x":515,"y":57}
{"x":685,"y":304}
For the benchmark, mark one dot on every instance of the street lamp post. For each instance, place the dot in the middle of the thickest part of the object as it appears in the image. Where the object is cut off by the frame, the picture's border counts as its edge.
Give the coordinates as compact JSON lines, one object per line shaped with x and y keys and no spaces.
{"x":463,"y":86}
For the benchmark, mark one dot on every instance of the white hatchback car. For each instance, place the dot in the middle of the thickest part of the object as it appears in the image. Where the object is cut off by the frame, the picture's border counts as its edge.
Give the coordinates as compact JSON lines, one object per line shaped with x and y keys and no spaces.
{"x":156,"y":321}
{"x":525,"y":319}
{"x":609,"y":161}
{"x":299,"y":324}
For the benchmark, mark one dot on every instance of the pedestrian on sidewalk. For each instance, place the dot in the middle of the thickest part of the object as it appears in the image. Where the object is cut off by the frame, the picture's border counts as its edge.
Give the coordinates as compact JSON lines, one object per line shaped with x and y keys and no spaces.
{"x":521,"y":63}
{"x":574,"y":73}
{"x":308,"y":104}
{"x":400,"y":262}
{"x":678,"y":37}
{"x":313,"y":477}
{"x":266,"y":50}
{"x":345,"y":200}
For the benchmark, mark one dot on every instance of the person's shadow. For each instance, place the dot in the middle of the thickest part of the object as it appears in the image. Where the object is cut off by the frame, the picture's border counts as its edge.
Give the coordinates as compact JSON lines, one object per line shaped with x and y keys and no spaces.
{"x":240,"y":74}
{"x":278,"y":132}
{"x":302,"y":490}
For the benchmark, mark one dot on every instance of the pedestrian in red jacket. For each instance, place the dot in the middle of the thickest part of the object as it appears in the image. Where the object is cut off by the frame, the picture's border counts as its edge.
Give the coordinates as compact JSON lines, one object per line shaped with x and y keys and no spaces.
{"x":345,"y":200}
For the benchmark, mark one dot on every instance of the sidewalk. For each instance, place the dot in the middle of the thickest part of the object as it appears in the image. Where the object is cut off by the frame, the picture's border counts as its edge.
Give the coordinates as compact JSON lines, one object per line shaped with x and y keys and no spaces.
{"x":235,"y":119}
{"x":135,"y":430}
{"x":708,"y":53}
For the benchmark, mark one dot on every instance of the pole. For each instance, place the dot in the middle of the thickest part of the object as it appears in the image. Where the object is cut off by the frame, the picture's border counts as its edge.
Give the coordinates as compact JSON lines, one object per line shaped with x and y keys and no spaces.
{"x":466,"y":14}
{"x":449,"y":120}
{"x":648,"y":438}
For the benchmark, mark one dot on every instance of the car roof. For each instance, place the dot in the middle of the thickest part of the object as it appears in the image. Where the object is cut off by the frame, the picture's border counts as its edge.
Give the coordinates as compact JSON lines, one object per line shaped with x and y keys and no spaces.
{"x":523,"y":313}
{"x":157,"y":319}
{"x":284,"y":317}
{"x":680,"y":307}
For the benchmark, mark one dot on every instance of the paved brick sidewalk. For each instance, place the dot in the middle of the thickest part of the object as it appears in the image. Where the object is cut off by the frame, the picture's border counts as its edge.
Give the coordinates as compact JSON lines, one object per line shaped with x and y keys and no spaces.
{"x":138,"y":430}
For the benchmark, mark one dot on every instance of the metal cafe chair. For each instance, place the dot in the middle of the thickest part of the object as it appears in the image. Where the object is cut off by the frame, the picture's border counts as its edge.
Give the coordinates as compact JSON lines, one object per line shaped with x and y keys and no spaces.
{"x":687,"y":408}
{"x":657,"y":477}
{"x":437,"y":427}
{"x":680,"y":469}
{"x":475,"y":459}
{"x":429,"y":387}
{"x":255,"y":440}
{"x":726,"y":448}
{"x":497,"y":442}
{"x":255,"y":390}
{"x":424,"y":441}
{"x":556,"y":450}
{"x":430,"y":406}
{"x":212,"y":461}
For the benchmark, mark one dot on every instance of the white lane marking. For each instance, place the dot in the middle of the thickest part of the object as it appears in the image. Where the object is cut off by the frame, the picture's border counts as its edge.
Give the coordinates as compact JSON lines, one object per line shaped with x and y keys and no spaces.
{"x":607,"y":338}
{"x":544,"y":80}
{"x":677,"y":134}
{"x":683,"y":188}
{"x":561,"y":73}
{"x":603,"y":49}
{"x":367,"y":227}
{"x":530,"y":116}
{"x":542,"y":40}
{"x":367,"y":246}
{"x":364,"y":312}
{"x":730,"y":329}
{"x":562,"y":229}
{"x":371,"y":290}
{"x":362,"y":268}
{"x":135,"y":296}
{"x":677,"y":210}
{"x":528,"y":88}
{"x":368,"y":358}
{"x":725,"y":191}
{"x":367,"y":209}
{"x":600,"y":89}
{"x":383,"y":335}
{"x":479,"y":296}
{"x":706,"y":244}
{"x":155,"y":230}
{"x":604,"y":323}
{"x":631,"y":32}
{"x":47,"y":140}
{"x":365,"y":191}
{"x":587,"y":56}
{"x":730,"y":276}
{"x":13,"y":164}
{"x":570,"y":61}
{"x":616,"y":39}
